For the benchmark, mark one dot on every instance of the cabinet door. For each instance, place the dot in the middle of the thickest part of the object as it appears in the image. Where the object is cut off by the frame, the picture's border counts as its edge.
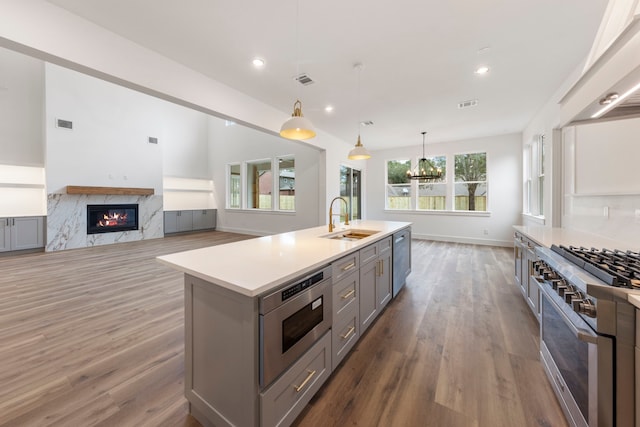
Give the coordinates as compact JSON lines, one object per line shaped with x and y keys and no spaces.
{"x":5,"y":234}
{"x":368,"y":300}
{"x":383,"y":280}
{"x":204,"y":219}
{"x":185,"y":220}
{"x":533,"y":292}
{"x":171,"y":221}
{"x":27,"y":232}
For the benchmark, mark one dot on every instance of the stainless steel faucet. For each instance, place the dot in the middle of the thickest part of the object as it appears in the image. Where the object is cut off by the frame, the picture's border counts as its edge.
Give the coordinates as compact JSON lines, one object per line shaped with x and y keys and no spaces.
{"x":346,"y":220}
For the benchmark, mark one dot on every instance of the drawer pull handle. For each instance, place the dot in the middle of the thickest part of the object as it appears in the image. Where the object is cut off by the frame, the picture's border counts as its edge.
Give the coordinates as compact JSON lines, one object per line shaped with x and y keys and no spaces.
{"x":349,"y":294}
{"x":348,"y":266}
{"x":351,"y":330}
{"x":304,"y":383}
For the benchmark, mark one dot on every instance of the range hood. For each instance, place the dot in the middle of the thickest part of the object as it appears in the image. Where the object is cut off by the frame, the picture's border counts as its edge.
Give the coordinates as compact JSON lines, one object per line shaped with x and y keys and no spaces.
{"x":609,"y":88}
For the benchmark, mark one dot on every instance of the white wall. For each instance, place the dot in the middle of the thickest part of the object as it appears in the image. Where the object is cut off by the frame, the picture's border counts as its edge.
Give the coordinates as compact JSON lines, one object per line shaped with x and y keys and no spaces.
{"x":504,"y":165}
{"x":21,"y":109}
{"x":108,"y":144}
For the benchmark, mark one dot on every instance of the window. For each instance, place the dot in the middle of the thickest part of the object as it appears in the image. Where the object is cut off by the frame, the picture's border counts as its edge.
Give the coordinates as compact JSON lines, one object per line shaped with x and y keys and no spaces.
{"x":470,"y":182}
{"x":432,"y":195}
{"x":398,"y":184}
{"x":259,"y":184}
{"x":286,"y":184}
{"x":351,"y":189}
{"x":235,"y":186}
{"x":253,"y":184}
{"x":533,"y":160}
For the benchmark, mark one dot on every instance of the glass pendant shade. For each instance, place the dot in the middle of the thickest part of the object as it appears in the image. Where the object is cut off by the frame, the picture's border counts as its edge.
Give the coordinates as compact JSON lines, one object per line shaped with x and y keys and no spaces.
{"x":297,"y":127}
{"x":359,"y":152}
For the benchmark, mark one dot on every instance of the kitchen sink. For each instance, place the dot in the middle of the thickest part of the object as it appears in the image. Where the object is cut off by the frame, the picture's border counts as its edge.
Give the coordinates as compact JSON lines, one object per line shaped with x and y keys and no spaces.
{"x":350,"y":235}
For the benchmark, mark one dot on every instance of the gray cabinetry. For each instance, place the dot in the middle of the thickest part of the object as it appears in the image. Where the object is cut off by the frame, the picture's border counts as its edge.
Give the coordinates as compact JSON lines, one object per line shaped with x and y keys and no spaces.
{"x":189,"y":220}
{"x":524,"y":257}
{"x":368,"y":300}
{"x":204,"y":219}
{"x":283,"y":401}
{"x":21,"y":233}
{"x":346,"y":328}
{"x":384,"y":277}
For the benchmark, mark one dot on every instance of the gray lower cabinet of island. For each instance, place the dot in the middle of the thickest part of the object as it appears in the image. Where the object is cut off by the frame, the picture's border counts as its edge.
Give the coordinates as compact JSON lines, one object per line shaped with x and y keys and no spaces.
{"x":223,"y":335}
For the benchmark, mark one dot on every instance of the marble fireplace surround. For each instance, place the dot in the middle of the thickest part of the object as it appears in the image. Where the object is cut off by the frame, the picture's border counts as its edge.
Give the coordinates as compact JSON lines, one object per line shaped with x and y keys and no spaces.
{"x":67,"y":216}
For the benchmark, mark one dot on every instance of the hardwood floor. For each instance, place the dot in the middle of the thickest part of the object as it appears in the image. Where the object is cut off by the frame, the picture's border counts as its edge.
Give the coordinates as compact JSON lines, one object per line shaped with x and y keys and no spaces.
{"x":95,"y":337}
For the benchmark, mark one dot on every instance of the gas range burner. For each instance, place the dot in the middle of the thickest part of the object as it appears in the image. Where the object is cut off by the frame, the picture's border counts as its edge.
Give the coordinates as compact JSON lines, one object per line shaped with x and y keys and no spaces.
{"x":614,"y":267}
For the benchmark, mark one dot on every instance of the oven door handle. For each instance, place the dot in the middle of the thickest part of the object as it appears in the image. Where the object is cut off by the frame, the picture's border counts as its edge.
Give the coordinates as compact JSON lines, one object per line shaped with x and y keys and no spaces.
{"x":580,"y":333}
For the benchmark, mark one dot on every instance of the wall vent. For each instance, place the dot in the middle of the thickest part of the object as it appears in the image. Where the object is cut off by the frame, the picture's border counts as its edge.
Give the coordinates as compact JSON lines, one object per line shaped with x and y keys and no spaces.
{"x":468,"y":104}
{"x":153,"y":140}
{"x":366,"y":123}
{"x":65,"y":124}
{"x":304,"y":79}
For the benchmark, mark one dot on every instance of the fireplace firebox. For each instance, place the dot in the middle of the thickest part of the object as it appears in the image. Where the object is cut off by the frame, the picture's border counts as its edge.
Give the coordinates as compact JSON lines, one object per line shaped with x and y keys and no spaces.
{"x":111,"y":218}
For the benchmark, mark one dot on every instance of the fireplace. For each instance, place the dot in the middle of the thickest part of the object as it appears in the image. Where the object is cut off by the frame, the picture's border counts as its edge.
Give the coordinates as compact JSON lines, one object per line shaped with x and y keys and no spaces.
{"x":111,"y":218}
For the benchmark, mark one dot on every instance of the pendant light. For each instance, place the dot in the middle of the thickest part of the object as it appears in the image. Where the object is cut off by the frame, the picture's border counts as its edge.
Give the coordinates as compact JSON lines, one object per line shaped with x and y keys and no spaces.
{"x":423,"y":170}
{"x":297,"y":127}
{"x":359,"y":152}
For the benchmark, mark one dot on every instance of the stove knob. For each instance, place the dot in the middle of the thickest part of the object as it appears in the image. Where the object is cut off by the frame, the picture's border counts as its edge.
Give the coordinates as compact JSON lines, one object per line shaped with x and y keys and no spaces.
{"x":587,"y":308}
{"x":561,"y":288}
{"x":554,"y":283}
{"x":569,"y":296}
{"x":549,"y":274}
{"x":577,"y":303}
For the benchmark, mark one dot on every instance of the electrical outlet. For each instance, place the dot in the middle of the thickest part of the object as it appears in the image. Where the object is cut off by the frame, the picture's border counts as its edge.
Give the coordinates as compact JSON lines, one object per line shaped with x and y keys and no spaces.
{"x":486,"y":232}
{"x":637,"y":216}
{"x":606,"y":212}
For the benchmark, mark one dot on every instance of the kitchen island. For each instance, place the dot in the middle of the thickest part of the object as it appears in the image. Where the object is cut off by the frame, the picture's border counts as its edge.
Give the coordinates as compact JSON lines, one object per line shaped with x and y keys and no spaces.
{"x":230,"y":379}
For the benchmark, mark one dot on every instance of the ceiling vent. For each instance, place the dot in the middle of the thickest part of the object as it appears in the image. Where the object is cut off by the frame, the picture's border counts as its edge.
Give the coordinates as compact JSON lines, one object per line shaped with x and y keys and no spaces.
{"x":468,"y":104}
{"x":304,"y":79}
{"x":366,"y":123}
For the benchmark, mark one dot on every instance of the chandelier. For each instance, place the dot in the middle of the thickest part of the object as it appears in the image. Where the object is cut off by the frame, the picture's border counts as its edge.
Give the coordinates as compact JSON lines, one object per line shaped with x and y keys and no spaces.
{"x":424,"y":170}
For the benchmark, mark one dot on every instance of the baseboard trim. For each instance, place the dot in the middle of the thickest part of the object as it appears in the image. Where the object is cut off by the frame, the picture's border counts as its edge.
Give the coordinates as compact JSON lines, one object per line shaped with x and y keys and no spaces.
{"x":468,"y":240}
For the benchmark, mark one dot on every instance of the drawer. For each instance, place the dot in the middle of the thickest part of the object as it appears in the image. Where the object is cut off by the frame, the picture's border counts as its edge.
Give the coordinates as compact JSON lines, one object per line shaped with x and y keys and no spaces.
{"x":385,"y":245}
{"x":345,"y":265}
{"x":345,"y":335}
{"x":345,"y":293}
{"x":283,"y":401}
{"x":369,"y":253}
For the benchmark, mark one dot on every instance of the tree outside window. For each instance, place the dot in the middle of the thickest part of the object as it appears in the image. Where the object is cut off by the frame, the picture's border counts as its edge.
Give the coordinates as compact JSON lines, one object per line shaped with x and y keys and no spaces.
{"x":471,"y":181}
{"x":259,"y":185}
{"x":398,"y":184}
{"x":432,"y":195}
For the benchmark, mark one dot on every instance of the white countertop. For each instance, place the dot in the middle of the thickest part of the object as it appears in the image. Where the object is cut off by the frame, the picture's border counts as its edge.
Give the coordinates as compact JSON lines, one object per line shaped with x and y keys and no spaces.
{"x":546,"y":236}
{"x":635,"y":300}
{"x":252,"y":267}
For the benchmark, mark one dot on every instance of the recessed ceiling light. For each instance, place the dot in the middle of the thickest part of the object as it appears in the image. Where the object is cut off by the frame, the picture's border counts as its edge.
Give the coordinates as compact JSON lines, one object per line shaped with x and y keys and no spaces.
{"x":482,"y":70}
{"x":328,"y":108}
{"x":258,"y":62}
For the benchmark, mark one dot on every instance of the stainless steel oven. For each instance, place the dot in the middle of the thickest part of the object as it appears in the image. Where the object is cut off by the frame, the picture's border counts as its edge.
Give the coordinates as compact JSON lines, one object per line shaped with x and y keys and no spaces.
{"x":578,"y":361}
{"x":587,"y":330}
{"x":292,"y":319}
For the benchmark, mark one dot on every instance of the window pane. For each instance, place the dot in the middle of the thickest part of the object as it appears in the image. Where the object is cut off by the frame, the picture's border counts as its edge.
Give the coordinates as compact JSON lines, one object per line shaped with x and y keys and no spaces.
{"x":471,"y":167}
{"x":398,"y":184}
{"x":471,"y":196}
{"x":259,"y":184}
{"x":432,"y":196}
{"x":287,"y":182}
{"x":234,"y":186}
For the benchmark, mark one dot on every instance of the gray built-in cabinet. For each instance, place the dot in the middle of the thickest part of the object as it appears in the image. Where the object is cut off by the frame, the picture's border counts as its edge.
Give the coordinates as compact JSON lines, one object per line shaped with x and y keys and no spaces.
{"x":20,"y":233}
{"x":189,"y":220}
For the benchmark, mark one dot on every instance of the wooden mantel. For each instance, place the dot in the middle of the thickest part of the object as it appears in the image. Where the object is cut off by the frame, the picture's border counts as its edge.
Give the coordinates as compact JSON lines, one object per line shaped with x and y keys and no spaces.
{"x":121,"y":191}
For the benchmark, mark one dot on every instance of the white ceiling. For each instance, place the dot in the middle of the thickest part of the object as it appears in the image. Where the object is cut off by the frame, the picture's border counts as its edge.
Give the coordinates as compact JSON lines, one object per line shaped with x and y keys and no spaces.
{"x":418,"y":56}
